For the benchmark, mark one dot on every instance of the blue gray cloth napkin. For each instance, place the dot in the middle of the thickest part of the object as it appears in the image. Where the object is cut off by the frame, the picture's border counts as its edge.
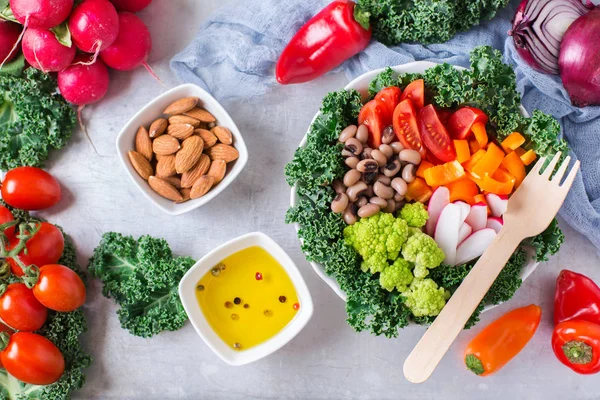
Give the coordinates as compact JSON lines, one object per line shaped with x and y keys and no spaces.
{"x":235,"y":51}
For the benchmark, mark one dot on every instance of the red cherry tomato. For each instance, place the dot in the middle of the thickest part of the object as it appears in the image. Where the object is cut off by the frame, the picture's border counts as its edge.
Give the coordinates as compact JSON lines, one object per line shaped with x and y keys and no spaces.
{"x":434,"y":135}
{"x":20,"y":310}
{"x":45,"y":247}
{"x":59,"y":288}
{"x":460,"y":123}
{"x":30,"y":188}
{"x":375,"y":116}
{"x":415,"y":91}
{"x":6,"y":216}
{"x":390,"y":96}
{"x":406,"y":127}
{"x":33,"y":359}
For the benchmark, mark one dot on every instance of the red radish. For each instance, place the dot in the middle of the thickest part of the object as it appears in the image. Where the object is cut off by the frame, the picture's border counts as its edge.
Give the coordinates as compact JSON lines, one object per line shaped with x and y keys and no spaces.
{"x":474,"y":245}
{"x":495,"y":223}
{"x":478,"y":216}
{"x":439,"y":199}
{"x":131,"y":5}
{"x":497,"y":204}
{"x":463,"y":232}
{"x":9,"y":37}
{"x":94,"y":25}
{"x":41,"y":14}
{"x":446,"y":231}
{"x":43,"y":51}
{"x":465,"y":209}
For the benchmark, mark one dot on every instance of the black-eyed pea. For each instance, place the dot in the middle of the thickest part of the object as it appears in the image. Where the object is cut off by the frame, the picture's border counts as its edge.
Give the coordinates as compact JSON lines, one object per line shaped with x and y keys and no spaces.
{"x":388,"y":135}
{"x":338,"y":186}
{"x":362,"y":201}
{"x":349,"y":214}
{"x":391,"y":168}
{"x":347,"y":133}
{"x":397,"y":147}
{"x":410,"y":156}
{"x":340,"y":203}
{"x":368,"y":165}
{"x":379,"y":157}
{"x":399,"y":185}
{"x":409,"y":173}
{"x":362,"y":134}
{"x":351,"y":177}
{"x":368,"y":210}
{"x":398,"y":197}
{"x":387,"y":150}
{"x":384,"y":179}
{"x":391,"y":206}
{"x":366,"y":154}
{"x":383,"y":191}
{"x":369,"y":177}
{"x":378,"y":201}
{"x":352,"y":161}
{"x":353,"y":147}
{"x":355,"y":191}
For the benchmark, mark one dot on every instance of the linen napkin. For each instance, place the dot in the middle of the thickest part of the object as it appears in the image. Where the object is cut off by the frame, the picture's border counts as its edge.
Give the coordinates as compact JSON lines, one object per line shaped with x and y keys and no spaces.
{"x":235,"y":52}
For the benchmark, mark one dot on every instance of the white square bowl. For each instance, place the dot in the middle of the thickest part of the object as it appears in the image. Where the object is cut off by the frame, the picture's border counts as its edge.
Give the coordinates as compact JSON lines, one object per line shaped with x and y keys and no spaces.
{"x":154,"y":110}
{"x":187,"y":293}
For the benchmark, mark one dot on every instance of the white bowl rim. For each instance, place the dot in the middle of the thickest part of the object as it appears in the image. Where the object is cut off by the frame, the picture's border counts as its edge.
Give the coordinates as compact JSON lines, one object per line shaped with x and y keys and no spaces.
{"x":187,"y":287}
{"x":527,"y":269}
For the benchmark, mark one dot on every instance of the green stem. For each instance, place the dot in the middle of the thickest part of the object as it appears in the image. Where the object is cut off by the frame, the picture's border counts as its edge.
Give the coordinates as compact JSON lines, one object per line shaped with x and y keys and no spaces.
{"x":578,"y":352}
{"x":474,"y":364}
{"x":31,"y":276}
{"x":4,"y":340}
{"x":362,"y":17}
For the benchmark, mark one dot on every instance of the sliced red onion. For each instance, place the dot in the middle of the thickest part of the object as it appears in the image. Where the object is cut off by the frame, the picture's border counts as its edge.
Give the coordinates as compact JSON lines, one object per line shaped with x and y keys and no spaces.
{"x":538,"y":29}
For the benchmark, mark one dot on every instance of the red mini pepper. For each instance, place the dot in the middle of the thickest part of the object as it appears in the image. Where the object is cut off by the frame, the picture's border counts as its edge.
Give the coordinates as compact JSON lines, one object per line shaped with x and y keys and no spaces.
{"x":576,"y":344}
{"x":328,"y":39}
{"x":576,"y":297}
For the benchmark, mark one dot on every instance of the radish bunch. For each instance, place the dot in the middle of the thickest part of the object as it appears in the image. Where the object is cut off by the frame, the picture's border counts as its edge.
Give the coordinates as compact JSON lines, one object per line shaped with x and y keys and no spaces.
{"x":462,"y":231}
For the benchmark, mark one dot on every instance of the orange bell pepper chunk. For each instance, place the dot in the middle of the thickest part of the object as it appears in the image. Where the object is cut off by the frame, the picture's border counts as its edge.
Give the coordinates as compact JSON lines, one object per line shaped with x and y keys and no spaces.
{"x":481,"y":136}
{"x":479,"y":198}
{"x":444,"y":174}
{"x":513,"y":163}
{"x":463,"y":153}
{"x":474,"y":146}
{"x":425,"y":165}
{"x":499,"y":183}
{"x":512,"y":142}
{"x":528,"y":157}
{"x":475,"y":158}
{"x":490,"y":162}
{"x":418,"y":190}
{"x":520,"y":151}
{"x":464,"y":190}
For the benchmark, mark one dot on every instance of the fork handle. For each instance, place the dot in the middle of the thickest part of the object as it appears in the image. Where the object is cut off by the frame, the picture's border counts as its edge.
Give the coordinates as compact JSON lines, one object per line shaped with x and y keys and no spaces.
{"x":430,"y":350}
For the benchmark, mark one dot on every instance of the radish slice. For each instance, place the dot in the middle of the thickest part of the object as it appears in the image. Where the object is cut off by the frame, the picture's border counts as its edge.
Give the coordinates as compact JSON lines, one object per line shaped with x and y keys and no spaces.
{"x":463,"y":232}
{"x":495,"y":223}
{"x":477,"y":217}
{"x":465,"y":209}
{"x":474,"y":245}
{"x":497,"y":204}
{"x":439,"y":199}
{"x":446,"y":231}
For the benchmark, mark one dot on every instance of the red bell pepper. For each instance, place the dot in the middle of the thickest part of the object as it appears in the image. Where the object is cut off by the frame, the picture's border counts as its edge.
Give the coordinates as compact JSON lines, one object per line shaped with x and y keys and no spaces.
{"x":328,"y":39}
{"x":576,"y":344}
{"x":576,"y":297}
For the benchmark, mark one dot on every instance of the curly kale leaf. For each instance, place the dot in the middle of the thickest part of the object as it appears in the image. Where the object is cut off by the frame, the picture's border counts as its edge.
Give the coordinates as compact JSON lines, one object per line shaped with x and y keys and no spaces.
{"x":34,"y":118}
{"x":547,"y":243}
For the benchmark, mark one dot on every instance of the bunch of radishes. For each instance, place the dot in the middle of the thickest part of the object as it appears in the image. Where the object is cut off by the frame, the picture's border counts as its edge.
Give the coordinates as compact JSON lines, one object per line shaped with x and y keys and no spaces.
{"x":462,"y":231}
{"x":103,"y":33}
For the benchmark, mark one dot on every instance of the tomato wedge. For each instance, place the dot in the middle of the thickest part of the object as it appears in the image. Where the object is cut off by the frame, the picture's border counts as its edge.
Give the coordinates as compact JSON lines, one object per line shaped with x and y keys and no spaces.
{"x":376,"y":117}
{"x":415,"y":91}
{"x":406,"y":127}
{"x":390,"y":96}
{"x":435,"y":136}
{"x":460,"y":123}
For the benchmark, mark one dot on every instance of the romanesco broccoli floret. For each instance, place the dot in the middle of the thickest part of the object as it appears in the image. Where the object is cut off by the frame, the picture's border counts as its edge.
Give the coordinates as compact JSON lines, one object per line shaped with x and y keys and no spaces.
{"x":396,"y":276}
{"x":424,"y":298}
{"x":414,"y":214}
{"x":424,"y":252}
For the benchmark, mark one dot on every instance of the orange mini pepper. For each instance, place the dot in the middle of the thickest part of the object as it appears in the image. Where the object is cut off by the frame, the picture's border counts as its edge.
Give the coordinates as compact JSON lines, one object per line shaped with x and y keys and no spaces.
{"x":512,"y":142}
{"x":481,"y":136}
{"x":425,"y":165}
{"x":513,"y":164}
{"x":528,"y":157}
{"x":418,"y":190}
{"x":464,"y":190}
{"x":443,"y":174}
{"x":490,"y":162}
{"x":475,"y":158}
{"x":463,"y":153}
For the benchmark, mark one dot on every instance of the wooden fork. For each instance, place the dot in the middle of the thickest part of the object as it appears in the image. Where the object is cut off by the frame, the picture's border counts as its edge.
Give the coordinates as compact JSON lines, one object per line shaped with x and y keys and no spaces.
{"x":530,"y":210}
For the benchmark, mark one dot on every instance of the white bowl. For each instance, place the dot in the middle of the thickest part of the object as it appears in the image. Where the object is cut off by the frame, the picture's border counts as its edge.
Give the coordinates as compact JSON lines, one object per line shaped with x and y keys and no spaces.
{"x":361,"y":84}
{"x":187,"y":292}
{"x":152,"y":111}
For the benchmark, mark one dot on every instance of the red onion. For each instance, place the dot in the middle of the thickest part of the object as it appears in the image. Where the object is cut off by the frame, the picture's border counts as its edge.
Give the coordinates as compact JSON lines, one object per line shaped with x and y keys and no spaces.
{"x":538,"y":29}
{"x":580,"y":60}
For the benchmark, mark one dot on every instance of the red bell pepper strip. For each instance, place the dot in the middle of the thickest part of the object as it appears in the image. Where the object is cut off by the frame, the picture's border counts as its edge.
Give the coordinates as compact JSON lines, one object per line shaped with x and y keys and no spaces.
{"x":576,"y":344}
{"x":328,"y":39}
{"x":576,"y":297}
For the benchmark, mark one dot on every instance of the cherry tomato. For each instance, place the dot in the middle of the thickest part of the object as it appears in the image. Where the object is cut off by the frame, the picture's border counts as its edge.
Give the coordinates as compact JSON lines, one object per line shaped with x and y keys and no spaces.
{"x":415,"y":91}
{"x":33,"y":359}
{"x":45,"y":247}
{"x":6,"y":216}
{"x":434,"y":135}
{"x":59,"y":288}
{"x":406,"y":127}
{"x":20,"y":310}
{"x":375,"y":116}
{"x":390,"y":96}
{"x":30,"y":188}
{"x":460,"y":123}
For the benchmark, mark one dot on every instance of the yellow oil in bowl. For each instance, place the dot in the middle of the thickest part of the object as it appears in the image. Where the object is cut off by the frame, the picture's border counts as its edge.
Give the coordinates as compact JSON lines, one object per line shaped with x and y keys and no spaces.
{"x":247,"y":298}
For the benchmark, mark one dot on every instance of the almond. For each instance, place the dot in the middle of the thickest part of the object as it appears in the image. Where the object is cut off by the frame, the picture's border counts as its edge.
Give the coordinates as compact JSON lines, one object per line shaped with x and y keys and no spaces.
{"x":188,"y":156}
{"x":182,"y":105}
{"x":209,"y":138}
{"x":164,"y":188}
{"x":141,"y":164}
{"x":190,"y":177}
{"x":185,"y":193}
{"x":217,"y":170}
{"x":184,"y":119}
{"x":165,"y":145}
{"x":202,"y":186}
{"x":143,"y":144}
{"x":166,"y":166}
{"x":158,"y":127}
{"x":180,"y":131}
{"x":200,"y":114}
{"x":175,"y":181}
{"x":223,"y":134}
{"x":222,"y":152}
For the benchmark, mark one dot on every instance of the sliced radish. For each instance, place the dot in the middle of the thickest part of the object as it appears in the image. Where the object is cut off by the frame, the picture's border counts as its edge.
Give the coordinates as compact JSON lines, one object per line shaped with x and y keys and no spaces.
{"x":497,"y":204}
{"x":474,"y":245}
{"x":446,"y":231}
{"x":495,"y":223}
{"x":463,"y":232}
{"x":465,"y":209}
{"x":439,"y":199}
{"x":477,"y":217}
